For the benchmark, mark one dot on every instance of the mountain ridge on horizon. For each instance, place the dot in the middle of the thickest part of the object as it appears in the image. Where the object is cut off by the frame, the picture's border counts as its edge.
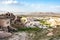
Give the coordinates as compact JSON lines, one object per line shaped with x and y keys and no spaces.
{"x":29,"y":13}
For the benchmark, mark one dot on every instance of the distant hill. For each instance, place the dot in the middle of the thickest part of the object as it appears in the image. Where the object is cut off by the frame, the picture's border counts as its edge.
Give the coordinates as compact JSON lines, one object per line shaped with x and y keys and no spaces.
{"x":42,"y":14}
{"x":33,"y":13}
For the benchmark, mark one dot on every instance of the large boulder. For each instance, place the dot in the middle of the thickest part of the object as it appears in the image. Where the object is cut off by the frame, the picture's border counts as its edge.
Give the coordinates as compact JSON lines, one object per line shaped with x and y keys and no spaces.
{"x":4,"y":34}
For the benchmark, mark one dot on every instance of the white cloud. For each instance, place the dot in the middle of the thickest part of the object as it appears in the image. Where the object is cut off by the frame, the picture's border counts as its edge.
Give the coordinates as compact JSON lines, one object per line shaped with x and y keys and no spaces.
{"x":31,"y":7}
{"x":9,"y":2}
{"x":44,"y":7}
{"x":55,"y":7}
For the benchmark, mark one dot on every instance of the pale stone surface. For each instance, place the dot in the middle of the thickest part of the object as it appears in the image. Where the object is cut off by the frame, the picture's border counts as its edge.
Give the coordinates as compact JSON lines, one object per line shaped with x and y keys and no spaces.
{"x":4,"y":34}
{"x":50,"y":34}
{"x":19,"y":36}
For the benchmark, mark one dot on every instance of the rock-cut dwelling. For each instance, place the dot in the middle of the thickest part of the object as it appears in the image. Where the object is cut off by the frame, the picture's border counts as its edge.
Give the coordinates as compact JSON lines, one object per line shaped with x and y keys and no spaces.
{"x":5,"y":22}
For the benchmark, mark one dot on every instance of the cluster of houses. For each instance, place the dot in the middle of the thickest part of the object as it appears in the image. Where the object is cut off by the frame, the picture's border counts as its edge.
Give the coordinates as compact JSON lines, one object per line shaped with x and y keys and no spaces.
{"x":31,"y":22}
{"x":9,"y":18}
{"x":6,"y":21}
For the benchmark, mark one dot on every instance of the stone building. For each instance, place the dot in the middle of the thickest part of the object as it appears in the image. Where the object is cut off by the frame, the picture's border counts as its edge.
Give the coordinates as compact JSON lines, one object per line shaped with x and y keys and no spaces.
{"x":5,"y":22}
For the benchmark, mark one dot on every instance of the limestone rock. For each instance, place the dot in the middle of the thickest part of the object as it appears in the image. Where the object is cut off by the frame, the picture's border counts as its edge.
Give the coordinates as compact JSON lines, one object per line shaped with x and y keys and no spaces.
{"x":4,"y":34}
{"x":50,"y":34}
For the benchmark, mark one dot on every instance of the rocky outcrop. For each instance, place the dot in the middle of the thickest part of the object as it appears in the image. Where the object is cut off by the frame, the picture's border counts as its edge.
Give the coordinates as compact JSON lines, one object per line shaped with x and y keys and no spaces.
{"x":5,"y":25}
{"x":34,"y":35}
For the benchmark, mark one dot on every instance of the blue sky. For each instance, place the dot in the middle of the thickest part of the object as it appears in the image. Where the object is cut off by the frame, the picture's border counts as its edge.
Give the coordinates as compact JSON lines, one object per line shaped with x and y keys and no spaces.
{"x":30,"y":5}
